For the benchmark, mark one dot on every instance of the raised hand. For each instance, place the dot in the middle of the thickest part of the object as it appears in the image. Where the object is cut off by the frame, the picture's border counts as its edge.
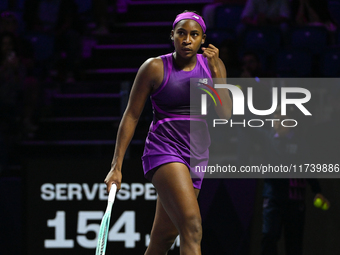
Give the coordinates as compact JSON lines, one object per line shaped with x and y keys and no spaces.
{"x":212,"y":54}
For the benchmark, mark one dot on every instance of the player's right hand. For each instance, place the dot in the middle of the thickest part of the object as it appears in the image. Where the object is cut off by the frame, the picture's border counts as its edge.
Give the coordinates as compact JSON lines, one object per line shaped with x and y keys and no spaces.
{"x":114,"y":176}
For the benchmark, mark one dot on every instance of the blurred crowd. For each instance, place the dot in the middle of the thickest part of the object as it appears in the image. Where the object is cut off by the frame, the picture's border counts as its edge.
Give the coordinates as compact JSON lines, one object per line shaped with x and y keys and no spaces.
{"x":259,"y":37}
{"x":35,"y":38}
{"x":40,"y":43}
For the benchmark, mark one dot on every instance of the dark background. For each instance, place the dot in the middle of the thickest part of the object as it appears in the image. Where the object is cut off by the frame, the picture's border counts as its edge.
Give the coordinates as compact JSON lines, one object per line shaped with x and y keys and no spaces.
{"x":77,"y":89}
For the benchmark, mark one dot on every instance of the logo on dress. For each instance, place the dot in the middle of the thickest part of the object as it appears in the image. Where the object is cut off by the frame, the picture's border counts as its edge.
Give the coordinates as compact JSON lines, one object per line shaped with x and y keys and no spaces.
{"x":202,"y":81}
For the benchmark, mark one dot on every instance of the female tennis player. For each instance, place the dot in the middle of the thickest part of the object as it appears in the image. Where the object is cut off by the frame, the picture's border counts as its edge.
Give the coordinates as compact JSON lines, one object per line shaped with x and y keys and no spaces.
{"x":170,"y":145}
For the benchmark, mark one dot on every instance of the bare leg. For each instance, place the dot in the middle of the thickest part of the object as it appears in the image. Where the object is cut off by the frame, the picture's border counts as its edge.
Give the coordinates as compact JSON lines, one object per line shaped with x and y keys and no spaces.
{"x":163,"y":232}
{"x":177,"y":211}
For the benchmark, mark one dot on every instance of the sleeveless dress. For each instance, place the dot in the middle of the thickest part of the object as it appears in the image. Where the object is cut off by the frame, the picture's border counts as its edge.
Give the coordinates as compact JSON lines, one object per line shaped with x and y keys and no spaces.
{"x":178,"y":133}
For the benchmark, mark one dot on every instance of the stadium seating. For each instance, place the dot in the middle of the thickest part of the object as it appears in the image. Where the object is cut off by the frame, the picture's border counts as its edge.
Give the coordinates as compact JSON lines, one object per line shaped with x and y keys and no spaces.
{"x":311,"y":38}
{"x":330,"y":63}
{"x":228,"y":16}
{"x":3,"y":5}
{"x":294,"y":63}
{"x":334,"y":8}
{"x":216,"y":37}
{"x":43,"y":45}
{"x":84,"y":5}
{"x":267,"y":40}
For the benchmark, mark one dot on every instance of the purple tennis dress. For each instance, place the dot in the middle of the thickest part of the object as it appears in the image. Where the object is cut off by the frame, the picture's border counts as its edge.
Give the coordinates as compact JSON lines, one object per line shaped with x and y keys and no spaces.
{"x":178,"y":133}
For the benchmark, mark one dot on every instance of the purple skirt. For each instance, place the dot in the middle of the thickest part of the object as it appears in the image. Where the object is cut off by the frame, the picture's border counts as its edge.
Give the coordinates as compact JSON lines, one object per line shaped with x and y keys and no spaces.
{"x":166,"y":145}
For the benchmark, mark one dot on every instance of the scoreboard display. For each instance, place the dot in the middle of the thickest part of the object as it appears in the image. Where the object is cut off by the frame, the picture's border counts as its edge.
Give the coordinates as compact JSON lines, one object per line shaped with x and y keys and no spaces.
{"x":66,"y":200}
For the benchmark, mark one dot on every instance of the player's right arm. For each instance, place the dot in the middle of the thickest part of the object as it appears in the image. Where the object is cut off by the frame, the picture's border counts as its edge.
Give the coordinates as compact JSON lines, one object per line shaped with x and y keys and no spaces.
{"x":149,"y":77}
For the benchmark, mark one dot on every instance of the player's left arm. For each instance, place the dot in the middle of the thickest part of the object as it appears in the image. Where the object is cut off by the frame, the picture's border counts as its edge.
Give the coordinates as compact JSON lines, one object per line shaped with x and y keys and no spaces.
{"x":219,"y":74}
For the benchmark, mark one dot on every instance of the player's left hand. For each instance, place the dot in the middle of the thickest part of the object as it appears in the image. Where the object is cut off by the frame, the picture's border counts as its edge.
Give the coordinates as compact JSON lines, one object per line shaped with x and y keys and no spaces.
{"x":212,"y":54}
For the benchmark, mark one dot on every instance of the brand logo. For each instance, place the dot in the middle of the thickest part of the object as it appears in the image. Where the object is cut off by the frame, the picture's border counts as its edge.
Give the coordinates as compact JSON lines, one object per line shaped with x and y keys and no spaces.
{"x":196,"y":17}
{"x":204,"y":82}
{"x":238,"y":102}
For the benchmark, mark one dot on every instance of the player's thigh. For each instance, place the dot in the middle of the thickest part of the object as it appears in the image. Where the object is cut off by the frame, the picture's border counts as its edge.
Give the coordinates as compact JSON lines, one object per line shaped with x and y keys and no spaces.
{"x":176,"y":193}
{"x":163,"y":225}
